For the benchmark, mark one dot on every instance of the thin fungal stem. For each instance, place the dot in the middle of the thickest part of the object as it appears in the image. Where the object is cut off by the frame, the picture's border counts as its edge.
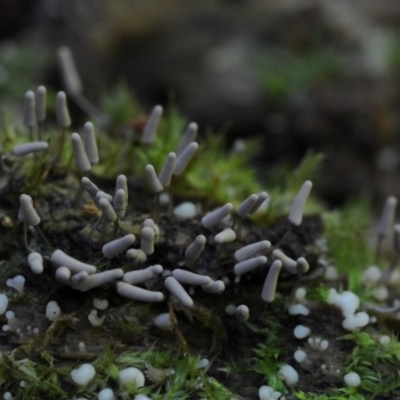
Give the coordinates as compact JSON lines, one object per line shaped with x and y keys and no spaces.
{"x":26,"y":238}
{"x":97,"y":223}
{"x":80,"y":191}
{"x":378,"y":249}
{"x":59,"y":147}
{"x":116,"y":228}
{"x":41,"y":234}
{"x":154,"y":214}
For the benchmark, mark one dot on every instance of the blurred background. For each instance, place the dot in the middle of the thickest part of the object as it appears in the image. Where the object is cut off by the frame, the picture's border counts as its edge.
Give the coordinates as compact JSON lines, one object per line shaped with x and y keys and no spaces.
{"x":310,"y":75}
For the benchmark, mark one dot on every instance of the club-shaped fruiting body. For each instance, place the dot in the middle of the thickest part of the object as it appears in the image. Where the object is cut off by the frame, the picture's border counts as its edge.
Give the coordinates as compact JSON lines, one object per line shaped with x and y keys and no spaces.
{"x":79,"y":279}
{"x":132,"y":375}
{"x":63,"y":274}
{"x":27,"y":213}
{"x":167,"y":169}
{"x":387,"y":217}
{"x":53,"y":311}
{"x":184,"y":158}
{"x":27,"y":148}
{"x":288,"y":263}
{"x":352,"y":379}
{"x":298,"y":309}
{"x":214,"y":217}
{"x":216,"y":287}
{"x":194,"y":250}
{"x":122,"y":183}
{"x":107,"y":210}
{"x":246,"y":206}
{"x":106,"y":394}
{"x":188,"y":137}
{"x":103,"y":195}
{"x":83,"y":375}
{"x":260,"y":200}
{"x":101,"y":278}
{"x":147,"y":240}
{"x":152,"y":181}
{"x":242,"y":313}
{"x":252,"y":250}
{"x":288,"y":374}
{"x":17,"y":283}
{"x":3,"y":303}
{"x":302,"y":265}
{"x":137,"y":293}
{"x":81,"y":159}
{"x":62,"y":259}
{"x":29,"y":110}
{"x":148,"y":222}
{"x":190,"y":278}
{"x":269,"y":288}
{"x":300,"y":356}
{"x":396,"y":238}
{"x":35,"y":262}
{"x":163,"y":321}
{"x":41,"y":103}
{"x":100,"y":304}
{"x":62,"y":113}
{"x":117,"y":246}
{"x":90,"y":187}
{"x":297,"y":210}
{"x":142,"y":275}
{"x":94,"y":319}
{"x":176,"y":289}
{"x":151,"y":127}
{"x":226,"y":236}
{"x":119,"y":203}
{"x":90,"y":144}
{"x":137,"y":255}
{"x":70,"y":77}
{"x":301,"y":332}
{"x":248,"y":265}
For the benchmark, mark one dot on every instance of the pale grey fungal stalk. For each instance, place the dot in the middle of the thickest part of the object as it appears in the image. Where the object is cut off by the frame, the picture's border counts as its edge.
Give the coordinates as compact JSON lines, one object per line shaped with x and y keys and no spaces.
{"x":62,"y":113}
{"x":215,"y":217}
{"x":136,"y":293}
{"x":247,"y":205}
{"x":35,"y":262}
{"x":103,"y":195}
{"x":78,"y":280}
{"x":108,"y":212}
{"x":177,"y":290}
{"x":242,"y":313}
{"x":137,"y":255}
{"x":29,"y":110}
{"x":27,"y":148}
{"x":41,"y":95}
{"x":216,"y":287}
{"x":387,"y":217}
{"x":302,"y":265}
{"x":288,"y":263}
{"x":194,"y":250}
{"x":117,"y":246}
{"x":89,"y":140}
{"x":122,"y":183}
{"x":142,"y":275}
{"x":151,"y":127}
{"x":148,"y":222}
{"x":260,"y":200}
{"x":153,"y":182}
{"x":190,"y":278}
{"x":27,"y":213}
{"x":90,"y":187}
{"x":81,"y":159}
{"x":297,"y":210}
{"x":252,"y":250}
{"x":101,"y":278}
{"x":184,"y":158}
{"x":60,"y":258}
{"x":119,"y":203}
{"x":70,"y":77}
{"x":63,"y":274}
{"x":269,"y":288}
{"x":147,"y":240}
{"x":188,"y":137}
{"x":167,"y":169}
{"x":226,"y":236}
{"x":248,"y":265}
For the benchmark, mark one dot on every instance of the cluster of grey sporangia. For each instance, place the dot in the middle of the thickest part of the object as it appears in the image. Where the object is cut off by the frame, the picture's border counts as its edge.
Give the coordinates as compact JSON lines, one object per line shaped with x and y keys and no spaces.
{"x":83,"y":277}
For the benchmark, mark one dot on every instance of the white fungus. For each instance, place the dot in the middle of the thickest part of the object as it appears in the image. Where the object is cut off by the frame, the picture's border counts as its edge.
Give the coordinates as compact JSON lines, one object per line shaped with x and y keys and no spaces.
{"x":216,"y":287}
{"x":101,"y":278}
{"x":371,"y":276}
{"x":35,"y":262}
{"x":136,"y":293}
{"x":387,"y":217}
{"x":141,"y":397}
{"x":248,"y":265}
{"x":113,"y":248}
{"x":81,"y":159}
{"x":167,"y":169}
{"x":288,"y":374}
{"x":247,"y":205}
{"x":83,"y":375}
{"x":147,"y":240}
{"x":94,"y":319}
{"x":106,"y":394}
{"x":301,"y":331}
{"x":142,"y":275}
{"x":203,"y":363}
{"x":106,"y":208}
{"x":242,"y":313}
{"x":188,"y":137}
{"x":90,"y":144}
{"x":163,"y":321}
{"x":176,"y":289}
{"x":151,"y":127}
{"x":300,"y":356}
{"x":252,"y":250}
{"x":70,"y":77}
{"x":27,"y":148}
{"x":216,"y":216}
{"x":152,"y":180}
{"x":137,"y":255}
{"x":194,"y":250}
{"x":119,"y":203}
{"x":184,"y":158}
{"x":100,"y":304}
{"x":185,"y":210}
{"x":262,"y":197}
{"x":60,"y":258}
{"x":27,"y":213}
{"x":352,"y":379}
{"x":288,"y":263}
{"x":53,"y":311}
{"x":62,"y":113}
{"x":17,"y":283}
{"x":300,"y":294}
{"x":63,"y":274}
{"x":384,"y":340}
{"x":132,"y":374}
{"x":269,"y":288}
{"x":29,"y":110}
{"x":297,"y":210}
{"x":41,"y":103}
{"x":190,"y":278}
{"x":230,"y":309}
{"x":226,"y":236}
{"x":3,"y":303}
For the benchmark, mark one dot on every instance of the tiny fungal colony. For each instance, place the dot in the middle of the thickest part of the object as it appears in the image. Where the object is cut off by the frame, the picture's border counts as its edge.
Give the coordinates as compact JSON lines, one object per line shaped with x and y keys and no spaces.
{"x":106,"y":276}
